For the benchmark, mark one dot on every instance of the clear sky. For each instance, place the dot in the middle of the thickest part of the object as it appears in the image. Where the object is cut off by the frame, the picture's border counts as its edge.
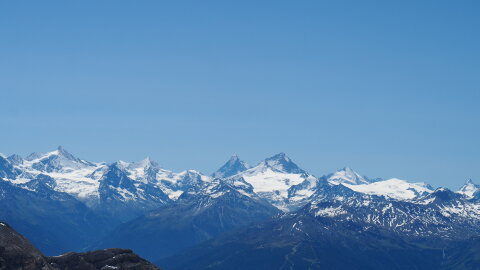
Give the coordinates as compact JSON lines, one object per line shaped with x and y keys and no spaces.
{"x":389,"y":88}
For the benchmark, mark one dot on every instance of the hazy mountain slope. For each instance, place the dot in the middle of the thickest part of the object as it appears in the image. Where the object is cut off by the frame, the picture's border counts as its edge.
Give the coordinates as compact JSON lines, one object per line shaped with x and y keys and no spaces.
{"x":196,"y":216}
{"x":343,"y":229}
{"x":463,"y":255}
{"x":55,"y":222}
{"x":306,"y":242}
{"x":66,"y":203}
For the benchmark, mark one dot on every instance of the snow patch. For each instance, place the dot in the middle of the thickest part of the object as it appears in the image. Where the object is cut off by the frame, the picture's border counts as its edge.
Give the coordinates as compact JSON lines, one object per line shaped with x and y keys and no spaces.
{"x":393,"y":188}
{"x":270,"y":181}
{"x":330,"y":212}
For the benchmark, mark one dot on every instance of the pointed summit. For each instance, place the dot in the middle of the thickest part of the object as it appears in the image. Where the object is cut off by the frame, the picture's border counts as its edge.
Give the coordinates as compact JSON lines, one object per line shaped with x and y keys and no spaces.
{"x":282,"y":163}
{"x":347,"y":176}
{"x":232,"y":167}
{"x":145,"y":169}
{"x":279,"y":180}
{"x":64,"y":153}
{"x":57,"y":161}
{"x":145,"y":164}
{"x":469,"y":189}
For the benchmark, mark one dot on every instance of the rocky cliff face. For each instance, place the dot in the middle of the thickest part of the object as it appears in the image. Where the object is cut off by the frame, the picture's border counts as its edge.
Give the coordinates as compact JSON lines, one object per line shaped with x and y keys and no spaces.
{"x":17,"y":253}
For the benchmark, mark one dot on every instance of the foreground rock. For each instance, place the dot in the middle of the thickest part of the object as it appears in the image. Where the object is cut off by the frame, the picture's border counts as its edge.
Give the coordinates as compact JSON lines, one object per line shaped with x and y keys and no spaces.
{"x":114,"y":258}
{"x":17,"y":253}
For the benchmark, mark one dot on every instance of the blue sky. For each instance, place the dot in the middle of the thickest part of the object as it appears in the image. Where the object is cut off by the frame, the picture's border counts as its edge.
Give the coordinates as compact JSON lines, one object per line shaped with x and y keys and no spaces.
{"x":390,"y":88}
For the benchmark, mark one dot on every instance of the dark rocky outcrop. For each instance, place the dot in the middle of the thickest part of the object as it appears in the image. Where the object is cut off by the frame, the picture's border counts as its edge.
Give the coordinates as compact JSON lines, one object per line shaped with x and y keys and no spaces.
{"x":114,"y":258}
{"x":17,"y":253}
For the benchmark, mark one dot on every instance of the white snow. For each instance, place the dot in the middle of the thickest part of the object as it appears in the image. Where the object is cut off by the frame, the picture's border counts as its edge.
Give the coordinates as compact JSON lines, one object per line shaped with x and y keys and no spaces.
{"x":467,"y":210}
{"x":218,"y":194}
{"x":330,"y":212}
{"x":469,"y":189}
{"x":109,"y":267}
{"x":393,"y":188}
{"x":270,"y":181}
{"x":173,"y":184}
{"x":347,"y":176}
{"x":425,"y":201}
{"x":74,"y":176}
{"x":78,"y":182}
{"x":126,"y":195}
{"x":82,"y":178}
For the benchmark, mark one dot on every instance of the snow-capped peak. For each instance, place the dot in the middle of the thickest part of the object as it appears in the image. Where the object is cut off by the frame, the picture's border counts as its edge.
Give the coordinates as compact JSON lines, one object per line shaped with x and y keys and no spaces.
{"x":232,"y":167}
{"x":273,"y":178}
{"x":469,"y":189}
{"x":146,"y":162}
{"x":59,"y":160}
{"x":65,"y":154}
{"x":60,"y":152}
{"x":347,"y":176}
{"x":71,"y":174}
{"x":144,"y":170}
{"x":281,"y":163}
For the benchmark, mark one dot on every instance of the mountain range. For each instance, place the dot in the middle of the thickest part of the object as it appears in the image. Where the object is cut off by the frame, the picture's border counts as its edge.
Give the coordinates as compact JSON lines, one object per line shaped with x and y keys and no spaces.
{"x":273,"y":211}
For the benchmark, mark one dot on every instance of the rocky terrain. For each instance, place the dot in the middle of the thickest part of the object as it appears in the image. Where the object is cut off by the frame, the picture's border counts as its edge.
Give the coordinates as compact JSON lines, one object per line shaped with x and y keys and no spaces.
{"x":17,"y":253}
